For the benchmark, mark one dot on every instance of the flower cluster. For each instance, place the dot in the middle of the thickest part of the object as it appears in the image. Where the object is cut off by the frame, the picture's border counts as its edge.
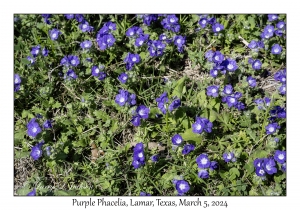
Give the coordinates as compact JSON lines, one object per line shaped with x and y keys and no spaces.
{"x":181,"y":186}
{"x":36,"y":151}
{"x":265,"y":166}
{"x":124,"y":97}
{"x":148,"y":18}
{"x":232,"y":99}
{"x":141,"y":112}
{"x":203,"y":164}
{"x":281,"y":77}
{"x":131,"y":59}
{"x":202,"y":124}
{"x":138,"y":156}
{"x":70,"y":60}
{"x":171,"y":23}
{"x":262,"y":103}
{"x":269,"y":30}
{"x":104,"y":37}
{"x":35,"y":51}
{"x":162,"y":103}
{"x":256,"y":45}
{"x":156,"y":47}
{"x":229,"y":156}
{"x":205,"y":20}
{"x":96,"y":71}
{"x":220,"y":64}
{"x":17,"y":82}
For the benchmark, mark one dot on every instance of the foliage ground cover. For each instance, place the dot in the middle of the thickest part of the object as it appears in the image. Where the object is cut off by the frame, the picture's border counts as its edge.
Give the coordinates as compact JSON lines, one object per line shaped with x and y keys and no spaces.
{"x":155,"y":104}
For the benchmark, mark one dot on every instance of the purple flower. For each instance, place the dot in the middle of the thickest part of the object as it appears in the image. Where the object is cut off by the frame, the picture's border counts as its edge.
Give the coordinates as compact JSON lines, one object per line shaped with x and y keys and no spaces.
{"x":209,"y":55}
{"x":283,"y":167}
{"x":251,"y":81}
{"x":213,"y":165}
{"x":218,"y":57}
{"x":35,"y":50}
{"x":79,"y":18}
{"x":136,"y":120}
{"x":111,"y":26}
{"x":163,"y":37}
{"x":203,"y":22}
{"x":272,"y":17}
{"x":17,"y":79}
{"x":182,"y":187}
{"x":102,"y":75}
{"x":260,"y":171}
{"x":267,"y":101}
{"x":122,"y":97}
{"x":163,"y":98}
{"x":73,"y":60}
{"x":250,"y":60}
{"x":134,"y":31}
{"x":154,"y":158}
{"x":203,"y":161}
{"x":271,"y":128}
{"x":253,"y":44}
{"x":269,"y":29}
{"x":156,"y":47}
{"x":144,"y":194}
{"x":238,"y":95}
{"x":276,"y":49}
{"x":139,"y":156}
{"x":228,"y":89}
{"x":198,"y":126}
{"x":137,"y":164}
{"x":175,"y":104}
{"x":87,"y":44}
{"x":54,"y":33}
{"x":142,"y":39}
{"x":85,"y":26}
{"x":71,"y":74}
{"x":214,"y":73}
{"x":258,"y":162}
{"x":131,"y":99}
{"x":45,"y":52}
{"x":33,"y":128}
{"x":105,"y":41}
{"x":278,"y":32}
{"x":95,"y":71}
{"x":179,"y":40}
{"x":36,"y":151}
{"x":280,"y":156}
{"x":256,"y":65}
{"x":187,"y":149}
{"x":203,"y":174}
{"x":228,"y":157}
{"x":47,"y":124}
{"x":212,"y":91}
{"x":46,"y":16}
{"x":240,"y":106}
{"x":69,"y":16}
{"x":32,"y":193}
{"x":143,"y":111}
{"x":217,"y":27}
{"x":177,"y":139}
{"x":269,"y":166}
{"x":230,"y":65}
{"x":123,"y":78}
{"x":231,"y":101}
{"x":281,"y":25}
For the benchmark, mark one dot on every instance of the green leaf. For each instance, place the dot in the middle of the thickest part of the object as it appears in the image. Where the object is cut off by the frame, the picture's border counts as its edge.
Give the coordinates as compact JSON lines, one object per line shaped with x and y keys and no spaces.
{"x":64,"y":193}
{"x":24,"y":190}
{"x":105,"y":185}
{"x":66,"y":150}
{"x":20,"y":154}
{"x":56,"y":105}
{"x":234,"y":171}
{"x":189,"y":136}
{"x":178,"y":90}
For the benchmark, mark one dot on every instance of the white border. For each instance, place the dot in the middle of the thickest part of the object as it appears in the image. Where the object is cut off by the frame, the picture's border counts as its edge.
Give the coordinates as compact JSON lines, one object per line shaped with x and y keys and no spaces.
{"x":138,"y":6}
